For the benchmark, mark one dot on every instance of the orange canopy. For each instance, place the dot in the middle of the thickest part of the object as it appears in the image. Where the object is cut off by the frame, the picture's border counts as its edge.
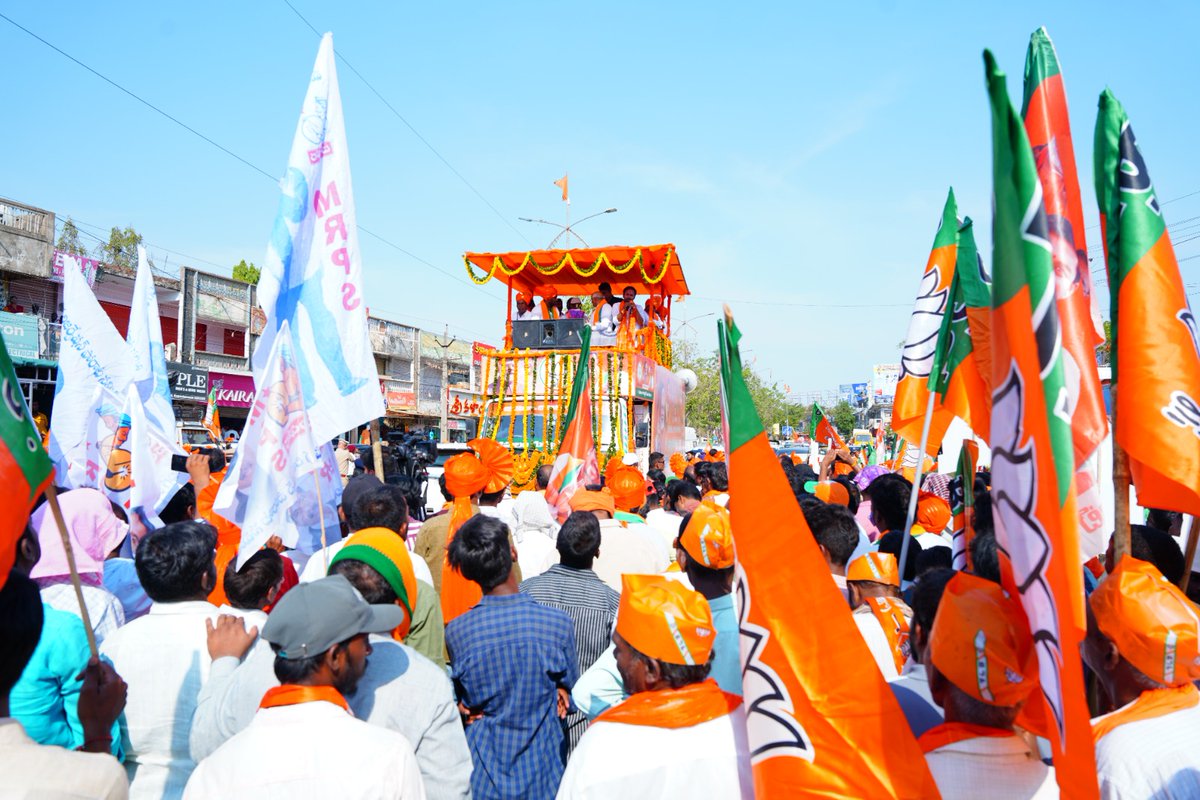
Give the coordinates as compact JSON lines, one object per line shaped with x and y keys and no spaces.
{"x":647,"y":268}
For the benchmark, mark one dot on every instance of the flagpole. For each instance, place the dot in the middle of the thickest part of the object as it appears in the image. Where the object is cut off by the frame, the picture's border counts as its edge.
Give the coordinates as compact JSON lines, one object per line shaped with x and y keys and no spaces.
{"x":56,"y":510}
{"x":916,"y":488}
{"x":1190,"y":555}
{"x":321,"y":513}
{"x":1120,"y":491}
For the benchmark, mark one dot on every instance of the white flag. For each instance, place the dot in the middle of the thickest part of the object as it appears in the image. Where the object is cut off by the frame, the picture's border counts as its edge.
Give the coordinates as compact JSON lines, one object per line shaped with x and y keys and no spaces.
{"x":149,"y":360}
{"x":270,"y":489}
{"x":95,"y":367}
{"x":152,"y":483}
{"x":312,"y":275}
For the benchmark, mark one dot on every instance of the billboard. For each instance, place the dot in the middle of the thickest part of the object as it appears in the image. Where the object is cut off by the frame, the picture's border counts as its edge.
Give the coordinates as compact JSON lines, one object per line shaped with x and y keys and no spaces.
{"x":846,"y":393}
{"x":883,"y":382}
{"x":859,"y":390}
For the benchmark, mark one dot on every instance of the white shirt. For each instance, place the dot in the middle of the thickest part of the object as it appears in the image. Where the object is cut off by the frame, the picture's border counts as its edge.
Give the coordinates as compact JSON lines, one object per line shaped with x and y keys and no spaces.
{"x":533,"y":313}
{"x":876,"y":639}
{"x":991,"y":768}
{"x":664,"y":554}
{"x":622,"y":551}
{"x":621,"y":761}
{"x":32,"y":771}
{"x":309,"y":750}
{"x":251,"y":617}
{"x":104,"y":608}
{"x":666,"y":524}
{"x":314,"y":570}
{"x":163,"y":657}
{"x":1158,"y":757}
{"x":500,"y":513}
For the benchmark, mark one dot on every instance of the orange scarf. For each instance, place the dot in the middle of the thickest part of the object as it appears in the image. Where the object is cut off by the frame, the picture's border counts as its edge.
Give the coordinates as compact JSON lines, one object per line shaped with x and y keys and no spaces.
{"x":1151,"y":704}
{"x":548,"y":311}
{"x":895,"y":627}
{"x":674,"y":708}
{"x":290,"y":694}
{"x":950,"y":732}
{"x":596,"y":311}
{"x":459,"y":595}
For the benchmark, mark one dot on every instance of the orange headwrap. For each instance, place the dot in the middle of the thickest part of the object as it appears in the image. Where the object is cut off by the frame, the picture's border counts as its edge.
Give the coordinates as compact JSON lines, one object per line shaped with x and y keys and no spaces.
{"x":465,"y":476}
{"x":614,"y":463}
{"x":584,"y":500}
{"x":708,"y":537}
{"x":1151,"y":621}
{"x":981,"y":642}
{"x":549,"y":292}
{"x":384,"y":550}
{"x":525,"y":297}
{"x":628,"y":487}
{"x":933,"y":513}
{"x":677,"y":464}
{"x":498,"y":460}
{"x":663,"y":619}
{"x":877,"y":567}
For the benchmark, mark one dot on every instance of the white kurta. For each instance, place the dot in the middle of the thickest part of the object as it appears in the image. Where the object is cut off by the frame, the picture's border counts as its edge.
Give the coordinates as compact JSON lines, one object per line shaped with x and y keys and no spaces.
{"x":1158,"y":757}
{"x":620,"y":761}
{"x":991,"y":768}
{"x":274,"y":758}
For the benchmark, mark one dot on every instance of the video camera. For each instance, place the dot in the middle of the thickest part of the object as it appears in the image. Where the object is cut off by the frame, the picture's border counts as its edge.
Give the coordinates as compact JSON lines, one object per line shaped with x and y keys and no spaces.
{"x":405,"y":466}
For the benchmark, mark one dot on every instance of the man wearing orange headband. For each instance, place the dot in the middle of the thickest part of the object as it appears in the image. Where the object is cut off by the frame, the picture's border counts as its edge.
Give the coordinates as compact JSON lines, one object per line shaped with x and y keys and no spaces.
{"x":525,"y":309}
{"x":677,"y":732}
{"x":982,"y":670}
{"x":548,"y":308}
{"x":873,"y":583}
{"x":1142,"y":645}
{"x":622,"y":548}
{"x":628,"y":487}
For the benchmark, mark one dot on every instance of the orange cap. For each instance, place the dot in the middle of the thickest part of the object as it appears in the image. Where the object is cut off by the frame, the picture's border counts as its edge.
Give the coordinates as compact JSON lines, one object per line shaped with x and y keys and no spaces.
{"x":498,"y":460}
{"x":466,"y":475}
{"x":525,"y":297}
{"x":663,"y":619}
{"x":832,"y":492}
{"x":677,"y":464}
{"x":933,"y":513}
{"x":708,"y":537}
{"x":584,"y":500}
{"x":1152,"y":623}
{"x":877,"y":567}
{"x":980,"y":641}
{"x":628,"y":487}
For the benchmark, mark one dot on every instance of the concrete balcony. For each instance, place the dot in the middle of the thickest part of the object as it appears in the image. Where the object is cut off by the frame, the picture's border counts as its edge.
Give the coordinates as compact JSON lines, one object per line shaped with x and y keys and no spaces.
{"x":26,"y":239}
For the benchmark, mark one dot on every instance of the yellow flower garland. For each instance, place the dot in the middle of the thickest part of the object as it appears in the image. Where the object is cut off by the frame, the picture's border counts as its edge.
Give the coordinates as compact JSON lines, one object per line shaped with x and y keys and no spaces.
{"x":568,"y":261}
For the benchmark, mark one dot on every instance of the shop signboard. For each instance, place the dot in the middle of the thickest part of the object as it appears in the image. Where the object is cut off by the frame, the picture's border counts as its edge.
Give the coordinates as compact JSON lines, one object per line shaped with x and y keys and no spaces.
{"x":188,"y":382}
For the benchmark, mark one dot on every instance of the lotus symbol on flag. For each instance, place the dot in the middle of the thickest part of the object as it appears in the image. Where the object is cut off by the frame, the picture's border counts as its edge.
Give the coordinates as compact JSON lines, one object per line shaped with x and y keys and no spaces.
{"x":917,"y":357}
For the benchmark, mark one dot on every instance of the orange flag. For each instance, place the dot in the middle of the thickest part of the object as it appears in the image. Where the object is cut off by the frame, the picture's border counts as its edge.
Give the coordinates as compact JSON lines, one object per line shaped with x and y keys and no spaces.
{"x":1156,"y":344}
{"x":821,"y":721}
{"x":920,"y":346}
{"x":562,"y":184}
{"x":1033,"y":463}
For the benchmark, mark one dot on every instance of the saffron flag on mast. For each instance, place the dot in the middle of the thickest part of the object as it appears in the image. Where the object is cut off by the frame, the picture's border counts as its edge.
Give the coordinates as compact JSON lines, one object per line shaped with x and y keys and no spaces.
{"x":961,"y":369}
{"x":820,"y":720}
{"x":1032,"y":451}
{"x":1156,"y":345}
{"x":312,"y":276}
{"x":212,"y":417}
{"x":823,"y":430}
{"x":962,"y":504}
{"x":575,"y":466}
{"x":269,"y":489}
{"x":25,"y":467}
{"x":916,"y":359}
{"x":1044,"y":111}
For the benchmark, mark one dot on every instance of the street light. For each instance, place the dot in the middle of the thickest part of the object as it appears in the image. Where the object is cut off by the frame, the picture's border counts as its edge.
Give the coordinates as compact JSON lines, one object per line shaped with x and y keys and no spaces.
{"x":568,"y":230}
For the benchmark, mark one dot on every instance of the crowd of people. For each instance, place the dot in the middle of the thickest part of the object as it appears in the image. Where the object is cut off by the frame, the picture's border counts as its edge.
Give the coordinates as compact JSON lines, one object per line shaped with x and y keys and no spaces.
{"x":614,"y":320}
{"x":498,"y":653}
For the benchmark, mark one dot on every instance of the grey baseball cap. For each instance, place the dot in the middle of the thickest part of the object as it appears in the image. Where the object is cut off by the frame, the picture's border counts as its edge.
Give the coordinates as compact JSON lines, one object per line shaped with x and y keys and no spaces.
{"x":313,"y":617}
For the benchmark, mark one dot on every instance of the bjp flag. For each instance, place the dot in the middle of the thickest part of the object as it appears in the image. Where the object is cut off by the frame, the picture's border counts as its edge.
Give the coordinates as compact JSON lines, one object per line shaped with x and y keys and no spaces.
{"x":1032,"y":450}
{"x":821,"y":721}
{"x":962,"y":504}
{"x":24,"y":465}
{"x":917,"y":356}
{"x":1156,"y":348}
{"x":961,"y":370}
{"x":575,"y":466}
{"x":823,"y":430}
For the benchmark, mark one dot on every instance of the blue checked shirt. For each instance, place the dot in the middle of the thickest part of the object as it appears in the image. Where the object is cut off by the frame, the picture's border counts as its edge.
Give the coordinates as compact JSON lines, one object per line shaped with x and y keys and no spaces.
{"x":508,"y":656}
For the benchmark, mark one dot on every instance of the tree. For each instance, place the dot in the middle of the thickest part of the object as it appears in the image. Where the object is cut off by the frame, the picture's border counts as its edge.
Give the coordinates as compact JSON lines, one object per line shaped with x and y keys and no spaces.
{"x":1104,"y":351}
{"x":121,"y":248}
{"x":703,"y":405}
{"x":68,"y":240}
{"x":246,"y":272}
{"x":843,"y":417}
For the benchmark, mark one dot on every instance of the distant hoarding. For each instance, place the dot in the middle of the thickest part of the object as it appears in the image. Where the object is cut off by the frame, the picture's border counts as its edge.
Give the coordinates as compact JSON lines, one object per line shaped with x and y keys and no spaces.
{"x":883,"y":382}
{"x":846,"y":393}
{"x":860,"y":395}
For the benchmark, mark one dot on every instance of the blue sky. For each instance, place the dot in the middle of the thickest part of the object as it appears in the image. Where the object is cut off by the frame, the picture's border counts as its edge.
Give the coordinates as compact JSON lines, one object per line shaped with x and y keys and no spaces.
{"x":798,"y":157}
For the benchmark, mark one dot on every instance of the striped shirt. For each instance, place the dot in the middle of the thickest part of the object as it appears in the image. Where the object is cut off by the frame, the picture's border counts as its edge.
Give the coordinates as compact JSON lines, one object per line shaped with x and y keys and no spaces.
{"x":592,"y":606}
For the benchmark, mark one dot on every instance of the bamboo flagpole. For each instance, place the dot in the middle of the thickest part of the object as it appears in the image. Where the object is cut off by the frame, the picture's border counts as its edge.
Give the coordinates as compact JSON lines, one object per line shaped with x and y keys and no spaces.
{"x":56,"y":510}
{"x":1120,"y":491}
{"x":1189,"y":555}
{"x":916,"y":488}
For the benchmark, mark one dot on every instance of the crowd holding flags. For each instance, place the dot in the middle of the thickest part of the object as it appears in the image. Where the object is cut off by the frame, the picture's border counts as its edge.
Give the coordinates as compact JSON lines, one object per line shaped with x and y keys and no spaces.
{"x":823,"y":430}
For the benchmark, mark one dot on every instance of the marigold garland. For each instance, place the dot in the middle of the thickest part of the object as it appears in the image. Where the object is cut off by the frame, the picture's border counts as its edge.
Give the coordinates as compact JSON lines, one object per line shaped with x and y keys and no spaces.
{"x":567,"y":260}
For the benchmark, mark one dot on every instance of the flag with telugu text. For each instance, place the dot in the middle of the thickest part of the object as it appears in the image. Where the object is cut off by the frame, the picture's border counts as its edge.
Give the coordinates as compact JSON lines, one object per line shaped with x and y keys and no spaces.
{"x":1032,"y":450}
{"x":1155,"y":341}
{"x":25,"y":467}
{"x":820,"y":720}
{"x":312,"y":274}
{"x":575,"y":466}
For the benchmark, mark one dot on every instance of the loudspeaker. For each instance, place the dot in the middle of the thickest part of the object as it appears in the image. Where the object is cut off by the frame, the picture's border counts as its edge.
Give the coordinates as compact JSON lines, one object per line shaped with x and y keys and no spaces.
{"x":547,"y":334}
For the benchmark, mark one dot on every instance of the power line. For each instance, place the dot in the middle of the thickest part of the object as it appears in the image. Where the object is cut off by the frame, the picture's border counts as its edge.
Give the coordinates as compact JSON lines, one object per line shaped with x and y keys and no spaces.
{"x":220,"y":147}
{"x":414,"y":131}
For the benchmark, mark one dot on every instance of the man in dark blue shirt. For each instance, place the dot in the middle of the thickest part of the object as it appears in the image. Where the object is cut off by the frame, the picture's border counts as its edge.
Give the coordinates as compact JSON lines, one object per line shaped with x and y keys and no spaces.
{"x":513,"y":664}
